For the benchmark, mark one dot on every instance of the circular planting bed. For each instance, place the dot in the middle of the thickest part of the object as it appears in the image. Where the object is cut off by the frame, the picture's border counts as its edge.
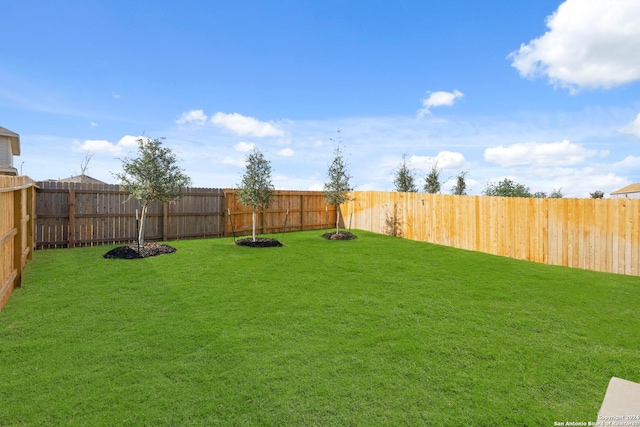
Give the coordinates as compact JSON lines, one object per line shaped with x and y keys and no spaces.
{"x":146,"y":250}
{"x":341,"y":235}
{"x":260,"y":242}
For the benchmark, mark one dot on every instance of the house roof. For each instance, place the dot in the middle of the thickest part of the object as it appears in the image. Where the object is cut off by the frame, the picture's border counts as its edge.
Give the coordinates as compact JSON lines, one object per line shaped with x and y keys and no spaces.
{"x":86,"y":179}
{"x":14,"y":138}
{"x":633,"y":188}
{"x":7,"y":170}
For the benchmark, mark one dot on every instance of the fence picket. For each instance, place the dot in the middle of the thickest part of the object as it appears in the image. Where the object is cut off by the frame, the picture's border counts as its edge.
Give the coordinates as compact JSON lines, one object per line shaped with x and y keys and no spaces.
{"x":600,"y":235}
{"x":93,"y":214}
{"x":17,"y":213}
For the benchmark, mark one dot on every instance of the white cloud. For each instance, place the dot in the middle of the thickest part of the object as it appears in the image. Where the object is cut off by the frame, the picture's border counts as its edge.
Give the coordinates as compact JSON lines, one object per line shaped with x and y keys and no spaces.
{"x":93,"y":125}
{"x":451,"y":160}
{"x":244,"y":147}
{"x":286,"y":152}
{"x":632,"y":128}
{"x":562,"y":153}
{"x":98,"y":146}
{"x":129,"y":141}
{"x":628,"y":164}
{"x":445,"y":160}
{"x":102,"y":146}
{"x":193,"y":117}
{"x":374,"y":146}
{"x":244,"y":125}
{"x":589,"y":44}
{"x":438,"y":99}
{"x":578,"y":182}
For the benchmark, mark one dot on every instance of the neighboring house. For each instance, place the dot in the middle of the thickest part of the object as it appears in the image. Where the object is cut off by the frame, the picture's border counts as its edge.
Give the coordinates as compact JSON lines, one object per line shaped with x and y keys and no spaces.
{"x":9,"y":147}
{"x":629,"y":192}
{"x":84,"y":179}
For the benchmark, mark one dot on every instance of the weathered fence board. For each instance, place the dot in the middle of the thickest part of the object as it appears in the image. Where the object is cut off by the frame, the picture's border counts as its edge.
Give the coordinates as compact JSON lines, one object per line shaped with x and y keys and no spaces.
{"x":78,"y":214}
{"x":16,"y":231}
{"x":601,"y":235}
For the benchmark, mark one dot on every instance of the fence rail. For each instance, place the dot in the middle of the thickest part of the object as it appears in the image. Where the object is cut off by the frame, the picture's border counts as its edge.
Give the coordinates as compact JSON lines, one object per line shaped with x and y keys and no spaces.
{"x":73,"y":214}
{"x":17,"y":201}
{"x":594,"y":234}
{"x":290,"y":210}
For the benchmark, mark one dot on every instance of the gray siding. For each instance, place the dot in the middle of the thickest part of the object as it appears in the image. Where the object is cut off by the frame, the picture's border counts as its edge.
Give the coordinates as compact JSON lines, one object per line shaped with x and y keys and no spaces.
{"x":5,"y":151}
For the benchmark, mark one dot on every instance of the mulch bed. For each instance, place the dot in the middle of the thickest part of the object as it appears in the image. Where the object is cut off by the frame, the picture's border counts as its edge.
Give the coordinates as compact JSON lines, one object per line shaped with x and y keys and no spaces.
{"x":147,"y":250}
{"x":342,"y":235}
{"x":260,"y":242}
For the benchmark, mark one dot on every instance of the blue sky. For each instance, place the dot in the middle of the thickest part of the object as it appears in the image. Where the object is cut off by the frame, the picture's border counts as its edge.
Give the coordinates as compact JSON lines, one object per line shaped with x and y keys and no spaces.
{"x":542,"y":92}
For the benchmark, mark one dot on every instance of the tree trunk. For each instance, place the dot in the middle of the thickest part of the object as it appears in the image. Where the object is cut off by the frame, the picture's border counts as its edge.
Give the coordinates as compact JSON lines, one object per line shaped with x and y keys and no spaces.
{"x":337,"y":219}
{"x":254,"y":224}
{"x":143,"y":220}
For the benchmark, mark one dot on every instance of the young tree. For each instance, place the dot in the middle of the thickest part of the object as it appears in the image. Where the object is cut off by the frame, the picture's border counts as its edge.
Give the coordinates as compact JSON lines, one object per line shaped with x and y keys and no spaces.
{"x":84,"y":165}
{"x":507,"y":188}
{"x":556,"y":194}
{"x":337,"y":188}
{"x":404,"y":179}
{"x":256,"y":189}
{"x":597,"y":194}
{"x":460,"y":189}
{"x":153,"y":176}
{"x":432,"y":181}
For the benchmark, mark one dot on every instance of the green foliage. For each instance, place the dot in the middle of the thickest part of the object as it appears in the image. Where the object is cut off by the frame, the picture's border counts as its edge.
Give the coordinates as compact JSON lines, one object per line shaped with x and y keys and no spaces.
{"x":337,"y":187}
{"x":432,"y":181}
{"x":256,"y":188}
{"x":220,"y":335}
{"x":460,"y":189}
{"x":507,"y":188}
{"x":404,"y":179}
{"x":153,"y":176}
{"x":597,"y":194}
{"x":556,"y":194}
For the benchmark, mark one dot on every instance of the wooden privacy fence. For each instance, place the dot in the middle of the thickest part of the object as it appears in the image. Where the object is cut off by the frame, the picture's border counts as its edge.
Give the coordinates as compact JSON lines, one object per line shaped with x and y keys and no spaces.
{"x":290,"y":210}
{"x":79,"y":214}
{"x":74,"y":214}
{"x":593,"y":234}
{"x":17,"y":197}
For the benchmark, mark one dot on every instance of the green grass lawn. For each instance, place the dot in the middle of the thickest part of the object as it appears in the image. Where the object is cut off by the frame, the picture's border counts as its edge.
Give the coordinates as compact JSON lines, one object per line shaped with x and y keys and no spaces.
{"x":375,"y":331}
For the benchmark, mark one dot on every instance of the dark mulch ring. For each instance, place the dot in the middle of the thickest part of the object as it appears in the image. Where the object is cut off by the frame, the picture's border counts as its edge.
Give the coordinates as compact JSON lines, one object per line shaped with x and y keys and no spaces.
{"x":146,"y":250}
{"x":260,"y":242}
{"x":341,"y":235}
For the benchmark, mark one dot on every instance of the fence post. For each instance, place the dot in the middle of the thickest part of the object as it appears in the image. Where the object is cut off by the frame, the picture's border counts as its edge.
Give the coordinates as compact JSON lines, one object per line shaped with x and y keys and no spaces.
{"x":165,"y":221}
{"x":225,"y":209}
{"x":72,"y":218}
{"x":302,"y":212}
{"x":18,"y":214}
{"x":31,"y":223}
